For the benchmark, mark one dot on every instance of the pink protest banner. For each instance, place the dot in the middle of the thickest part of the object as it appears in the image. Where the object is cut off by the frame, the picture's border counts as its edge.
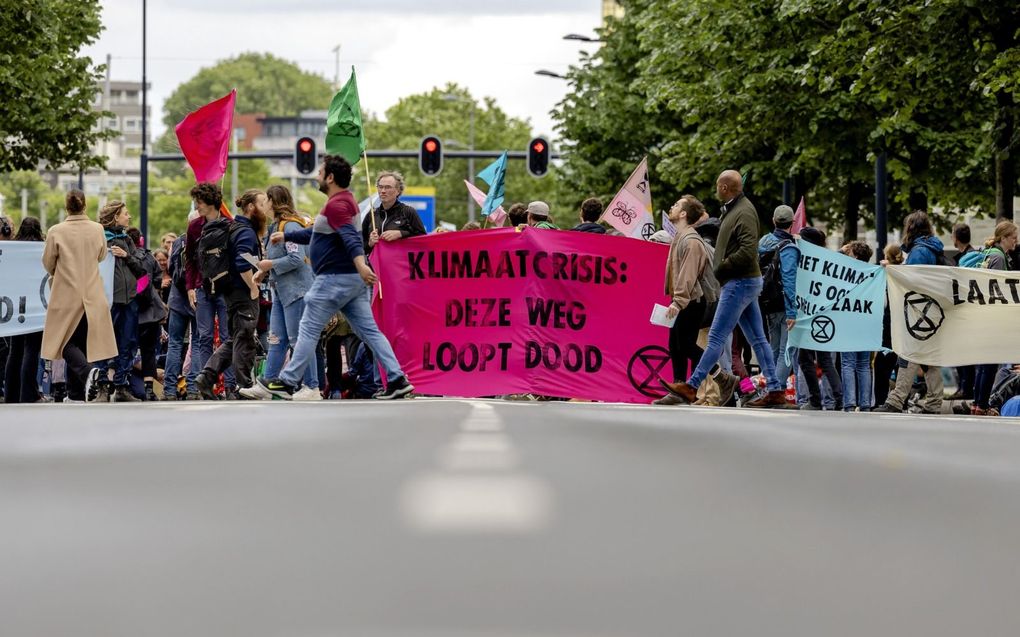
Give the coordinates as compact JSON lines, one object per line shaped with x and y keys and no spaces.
{"x":549,"y":312}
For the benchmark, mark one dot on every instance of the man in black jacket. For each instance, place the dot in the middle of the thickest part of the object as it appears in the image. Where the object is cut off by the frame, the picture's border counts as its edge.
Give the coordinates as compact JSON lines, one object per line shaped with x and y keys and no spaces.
{"x":394,"y":220}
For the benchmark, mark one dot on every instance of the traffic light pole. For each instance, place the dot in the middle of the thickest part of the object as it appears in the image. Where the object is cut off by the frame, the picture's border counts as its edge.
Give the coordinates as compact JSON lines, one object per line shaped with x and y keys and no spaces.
{"x":143,"y":204}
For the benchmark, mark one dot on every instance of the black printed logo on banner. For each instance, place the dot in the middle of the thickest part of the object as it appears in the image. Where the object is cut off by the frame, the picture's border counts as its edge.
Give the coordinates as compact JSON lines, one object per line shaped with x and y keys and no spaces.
{"x":624,"y":212}
{"x":644,"y":370}
{"x":923,"y":315}
{"x":647,"y":231}
{"x":823,"y":329}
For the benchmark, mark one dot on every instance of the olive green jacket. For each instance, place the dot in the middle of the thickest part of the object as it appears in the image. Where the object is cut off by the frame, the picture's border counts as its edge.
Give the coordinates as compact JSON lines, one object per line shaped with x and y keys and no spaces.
{"x":736,"y":250}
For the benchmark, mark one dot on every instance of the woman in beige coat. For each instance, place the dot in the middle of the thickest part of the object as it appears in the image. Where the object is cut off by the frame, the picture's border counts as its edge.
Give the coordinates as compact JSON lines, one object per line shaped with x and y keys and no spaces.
{"x":78,"y":315}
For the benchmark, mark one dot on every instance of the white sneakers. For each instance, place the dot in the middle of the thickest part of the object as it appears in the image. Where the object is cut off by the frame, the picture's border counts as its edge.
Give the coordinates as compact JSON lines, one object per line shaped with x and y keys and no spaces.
{"x":306,"y":394}
{"x":258,"y":392}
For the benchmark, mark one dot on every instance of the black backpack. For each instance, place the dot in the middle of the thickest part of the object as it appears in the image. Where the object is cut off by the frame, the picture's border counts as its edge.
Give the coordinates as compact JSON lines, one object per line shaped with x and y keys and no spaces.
{"x":771,"y":299}
{"x":216,"y":256}
{"x":176,"y":266}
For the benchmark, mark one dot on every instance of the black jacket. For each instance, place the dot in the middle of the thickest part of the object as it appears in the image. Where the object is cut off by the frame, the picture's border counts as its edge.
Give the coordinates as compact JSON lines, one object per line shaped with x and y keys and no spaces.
{"x":127,"y":270}
{"x":400,"y":217}
{"x":588,"y":226}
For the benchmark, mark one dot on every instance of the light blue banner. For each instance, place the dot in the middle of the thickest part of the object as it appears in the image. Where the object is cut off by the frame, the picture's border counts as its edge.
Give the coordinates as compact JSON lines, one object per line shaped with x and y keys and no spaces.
{"x":25,"y":286}
{"x":840,"y":302}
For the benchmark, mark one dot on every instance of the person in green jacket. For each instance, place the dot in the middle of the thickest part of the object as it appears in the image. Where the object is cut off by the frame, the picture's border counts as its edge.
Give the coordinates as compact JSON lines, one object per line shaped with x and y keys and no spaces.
{"x":736,"y":268}
{"x":538,"y":216}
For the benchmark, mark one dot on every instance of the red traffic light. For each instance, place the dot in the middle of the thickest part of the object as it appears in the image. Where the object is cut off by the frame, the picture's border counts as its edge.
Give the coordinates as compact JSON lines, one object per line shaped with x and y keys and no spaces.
{"x":430,"y":156}
{"x":538,"y":157}
{"x":305,"y":145}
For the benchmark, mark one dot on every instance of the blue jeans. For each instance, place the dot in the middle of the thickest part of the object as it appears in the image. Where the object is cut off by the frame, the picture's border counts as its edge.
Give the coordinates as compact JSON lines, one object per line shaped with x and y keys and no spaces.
{"x":778,"y":333}
{"x":125,"y":327}
{"x":738,"y":305}
{"x":856,"y":380}
{"x":284,"y":322}
{"x":329,"y":294}
{"x":176,"y":328}
{"x":207,"y":309}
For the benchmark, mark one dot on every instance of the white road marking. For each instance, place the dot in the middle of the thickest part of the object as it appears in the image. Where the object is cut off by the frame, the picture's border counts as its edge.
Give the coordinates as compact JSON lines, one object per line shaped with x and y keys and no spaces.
{"x":443,"y":503}
{"x":479,"y":452}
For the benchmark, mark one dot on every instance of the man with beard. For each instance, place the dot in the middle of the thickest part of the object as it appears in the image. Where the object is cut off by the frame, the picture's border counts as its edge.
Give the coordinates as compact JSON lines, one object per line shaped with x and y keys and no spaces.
{"x":342,"y":277}
{"x":239,"y":290}
{"x":394,"y":219}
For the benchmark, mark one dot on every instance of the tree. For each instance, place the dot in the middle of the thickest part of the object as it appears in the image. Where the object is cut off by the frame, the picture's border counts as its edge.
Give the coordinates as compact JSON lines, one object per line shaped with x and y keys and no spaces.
{"x":46,"y":91}
{"x":446,"y":112}
{"x":264,"y":83}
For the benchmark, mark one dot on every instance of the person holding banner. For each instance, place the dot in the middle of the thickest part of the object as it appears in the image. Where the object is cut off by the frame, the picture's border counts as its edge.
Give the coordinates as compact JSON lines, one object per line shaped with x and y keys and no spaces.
{"x":591,"y":210}
{"x":997,"y":250}
{"x":393,"y":219}
{"x":22,"y":366}
{"x":78,"y":326}
{"x":736,"y":268}
{"x":922,"y":248}
{"x":538,"y":216}
{"x":692,"y":286}
{"x":856,"y":366}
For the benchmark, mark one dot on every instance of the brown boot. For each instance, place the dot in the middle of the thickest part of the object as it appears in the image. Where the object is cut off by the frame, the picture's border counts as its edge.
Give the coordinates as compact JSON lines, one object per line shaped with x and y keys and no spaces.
{"x":682,"y":390}
{"x":772,"y":399}
{"x":669,"y":399}
{"x":727,"y":386}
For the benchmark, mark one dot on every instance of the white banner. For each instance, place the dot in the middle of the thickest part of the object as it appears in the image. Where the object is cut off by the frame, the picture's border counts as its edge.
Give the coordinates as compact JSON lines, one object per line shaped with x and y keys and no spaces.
{"x":954,"y":316}
{"x":25,"y":289}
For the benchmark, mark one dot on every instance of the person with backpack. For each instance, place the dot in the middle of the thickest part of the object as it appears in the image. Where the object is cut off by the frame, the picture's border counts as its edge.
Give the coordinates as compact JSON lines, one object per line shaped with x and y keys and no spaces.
{"x":181,"y":319}
{"x":922,"y":248}
{"x":290,"y":277}
{"x":692,"y":286}
{"x":209,"y":306}
{"x":996,"y":257}
{"x":777,"y":260}
{"x":735,"y":266}
{"x":109,"y":380}
{"x":226,"y":251}
{"x":152,"y":311}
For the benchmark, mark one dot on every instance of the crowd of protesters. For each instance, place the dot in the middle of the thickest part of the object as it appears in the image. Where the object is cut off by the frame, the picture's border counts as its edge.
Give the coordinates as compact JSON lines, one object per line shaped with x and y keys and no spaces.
{"x":267,"y":302}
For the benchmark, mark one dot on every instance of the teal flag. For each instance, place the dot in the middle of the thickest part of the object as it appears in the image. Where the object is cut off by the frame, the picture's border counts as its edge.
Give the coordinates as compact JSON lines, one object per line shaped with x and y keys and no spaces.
{"x":494,"y":175}
{"x":840,"y":302}
{"x":345,"y":135}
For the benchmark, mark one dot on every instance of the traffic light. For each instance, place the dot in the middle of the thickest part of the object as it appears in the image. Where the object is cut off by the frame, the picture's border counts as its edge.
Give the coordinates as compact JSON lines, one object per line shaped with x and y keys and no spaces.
{"x":538,"y":157}
{"x":430,"y":156}
{"x":304,"y":156}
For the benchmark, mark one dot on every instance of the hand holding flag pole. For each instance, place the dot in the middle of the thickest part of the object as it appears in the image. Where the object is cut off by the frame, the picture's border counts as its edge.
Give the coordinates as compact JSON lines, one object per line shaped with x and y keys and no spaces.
{"x":345,"y":131}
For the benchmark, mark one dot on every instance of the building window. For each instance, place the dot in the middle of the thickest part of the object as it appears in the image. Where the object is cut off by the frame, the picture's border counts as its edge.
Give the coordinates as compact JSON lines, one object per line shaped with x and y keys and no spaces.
{"x":130,"y":123}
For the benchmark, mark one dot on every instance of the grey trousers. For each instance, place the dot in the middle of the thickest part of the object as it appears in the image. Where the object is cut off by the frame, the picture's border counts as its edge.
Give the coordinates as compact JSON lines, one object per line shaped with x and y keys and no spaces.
{"x":906,"y":372}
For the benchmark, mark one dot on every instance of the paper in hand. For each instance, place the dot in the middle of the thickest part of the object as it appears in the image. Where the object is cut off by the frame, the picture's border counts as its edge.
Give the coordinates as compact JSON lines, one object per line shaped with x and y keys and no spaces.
{"x":250,"y":259}
{"x":659,"y":316}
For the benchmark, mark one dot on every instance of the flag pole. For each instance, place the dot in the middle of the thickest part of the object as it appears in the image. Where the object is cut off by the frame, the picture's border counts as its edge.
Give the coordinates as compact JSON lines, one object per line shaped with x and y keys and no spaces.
{"x":368,"y":184}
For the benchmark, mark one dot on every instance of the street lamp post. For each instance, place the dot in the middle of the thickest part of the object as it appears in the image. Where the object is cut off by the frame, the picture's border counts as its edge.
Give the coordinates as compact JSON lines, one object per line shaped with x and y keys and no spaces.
{"x":547,"y":73}
{"x":336,"y":71}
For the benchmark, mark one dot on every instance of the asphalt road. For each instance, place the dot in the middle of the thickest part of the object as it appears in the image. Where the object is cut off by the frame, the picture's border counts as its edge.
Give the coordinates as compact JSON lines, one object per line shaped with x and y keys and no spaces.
{"x":474,"y":518}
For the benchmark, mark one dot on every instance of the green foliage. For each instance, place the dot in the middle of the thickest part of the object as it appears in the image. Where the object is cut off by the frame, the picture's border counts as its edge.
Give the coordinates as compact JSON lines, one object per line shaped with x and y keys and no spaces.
{"x":46,"y":90}
{"x":446,"y":112}
{"x":264,"y":83}
{"x":807,"y":90}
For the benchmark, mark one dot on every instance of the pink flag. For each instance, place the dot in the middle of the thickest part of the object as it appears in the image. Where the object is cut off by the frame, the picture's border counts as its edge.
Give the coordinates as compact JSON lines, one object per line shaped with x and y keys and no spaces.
{"x":498,"y":216}
{"x":204,"y":136}
{"x":630,"y":211}
{"x":799,"y":218}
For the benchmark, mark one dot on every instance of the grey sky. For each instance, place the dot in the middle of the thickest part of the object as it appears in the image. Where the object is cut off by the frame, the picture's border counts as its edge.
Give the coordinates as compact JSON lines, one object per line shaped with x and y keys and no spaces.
{"x":492,"y":50}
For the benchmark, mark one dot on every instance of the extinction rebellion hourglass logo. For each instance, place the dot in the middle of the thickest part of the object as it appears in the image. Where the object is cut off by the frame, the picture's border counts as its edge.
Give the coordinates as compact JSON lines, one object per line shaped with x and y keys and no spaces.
{"x":923,"y":315}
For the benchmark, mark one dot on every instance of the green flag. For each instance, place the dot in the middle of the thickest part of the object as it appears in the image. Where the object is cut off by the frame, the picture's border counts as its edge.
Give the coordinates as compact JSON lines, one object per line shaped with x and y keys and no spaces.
{"x":345,"y":136}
